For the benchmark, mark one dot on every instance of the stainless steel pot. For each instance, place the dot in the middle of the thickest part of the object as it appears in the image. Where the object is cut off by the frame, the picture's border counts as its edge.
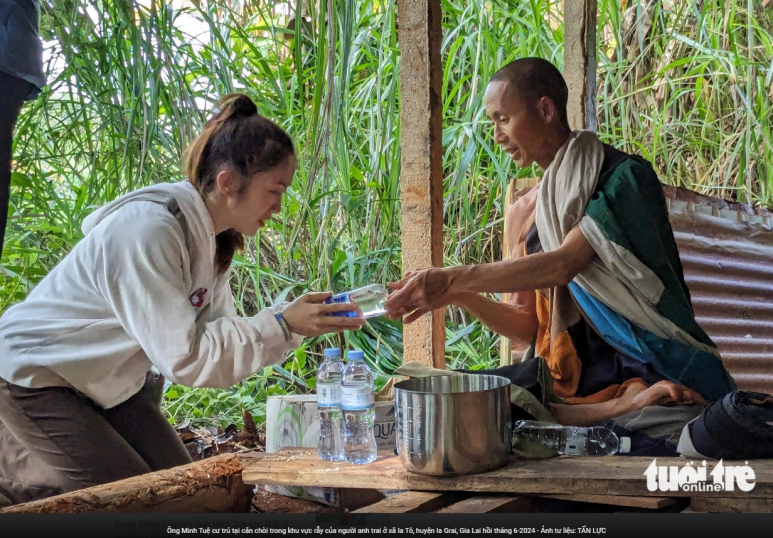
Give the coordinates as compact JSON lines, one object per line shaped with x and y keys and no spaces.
{"x":453,"y":425}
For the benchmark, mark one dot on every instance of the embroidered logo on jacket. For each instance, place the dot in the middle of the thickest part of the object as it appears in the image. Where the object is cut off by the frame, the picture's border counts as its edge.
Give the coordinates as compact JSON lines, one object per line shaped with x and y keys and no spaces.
{"x":197,"y":297}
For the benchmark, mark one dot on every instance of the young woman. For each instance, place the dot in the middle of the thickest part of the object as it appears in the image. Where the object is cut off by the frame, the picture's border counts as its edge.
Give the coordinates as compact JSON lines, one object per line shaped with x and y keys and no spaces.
{"x":145,"y":296}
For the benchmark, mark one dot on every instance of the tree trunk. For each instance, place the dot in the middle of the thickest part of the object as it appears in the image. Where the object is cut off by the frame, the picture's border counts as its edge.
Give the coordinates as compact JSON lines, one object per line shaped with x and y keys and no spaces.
{"x":213,"y":485}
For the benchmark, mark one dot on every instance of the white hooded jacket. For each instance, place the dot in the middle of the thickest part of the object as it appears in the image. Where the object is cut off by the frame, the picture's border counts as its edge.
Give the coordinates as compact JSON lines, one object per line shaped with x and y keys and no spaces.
{"x":139,"y":290}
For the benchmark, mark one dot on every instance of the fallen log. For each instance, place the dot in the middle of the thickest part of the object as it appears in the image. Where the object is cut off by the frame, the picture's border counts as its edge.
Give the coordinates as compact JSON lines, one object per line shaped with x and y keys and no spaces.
{"x":212,"y":485}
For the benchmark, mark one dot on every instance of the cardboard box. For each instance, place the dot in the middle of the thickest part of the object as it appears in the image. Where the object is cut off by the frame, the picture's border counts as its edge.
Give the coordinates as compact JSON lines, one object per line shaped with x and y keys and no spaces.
{"x":291,"y":421}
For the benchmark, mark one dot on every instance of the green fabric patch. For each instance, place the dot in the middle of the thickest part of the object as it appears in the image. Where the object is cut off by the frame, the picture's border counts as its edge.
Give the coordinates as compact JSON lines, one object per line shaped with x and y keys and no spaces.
{"x":630,"y":210}
{"x":529,"y":403}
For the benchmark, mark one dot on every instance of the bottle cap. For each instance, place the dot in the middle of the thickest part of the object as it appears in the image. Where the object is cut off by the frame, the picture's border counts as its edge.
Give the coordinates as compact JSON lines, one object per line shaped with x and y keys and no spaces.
{"x":625,"y":445}
{"x":332,"y":352}
{"x":356,"y":354}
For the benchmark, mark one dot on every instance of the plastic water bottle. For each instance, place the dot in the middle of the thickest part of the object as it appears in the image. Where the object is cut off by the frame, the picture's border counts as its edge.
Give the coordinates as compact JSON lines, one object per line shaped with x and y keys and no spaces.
{"x":370,"y":299}
{"x":357,"y":401}
{"x":573,"y":440}
{"x":331,"y":442}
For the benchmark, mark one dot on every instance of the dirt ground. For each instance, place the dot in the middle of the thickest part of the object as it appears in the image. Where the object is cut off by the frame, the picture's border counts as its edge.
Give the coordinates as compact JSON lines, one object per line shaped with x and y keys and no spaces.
{"x":206,"y":442}
{"x":272,"y":503}
{"x":209,"y":441}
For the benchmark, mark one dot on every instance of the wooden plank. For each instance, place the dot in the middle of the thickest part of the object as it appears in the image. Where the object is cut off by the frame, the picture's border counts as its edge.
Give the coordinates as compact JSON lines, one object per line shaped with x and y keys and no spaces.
{"x":485,"y":504}
{"x":609,"y":475}
{"x":354,"y":499}
{"x":421,"y":167}
{"x":210,"y":485}
{"x":652,"y":503}
{"x":731,"y":505}
{"x":580,"y":62}
{"x":408,"y":503}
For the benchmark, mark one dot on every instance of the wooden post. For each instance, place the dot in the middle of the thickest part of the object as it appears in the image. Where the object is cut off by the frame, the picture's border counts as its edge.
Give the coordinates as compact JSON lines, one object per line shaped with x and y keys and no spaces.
{"x":421,"y":173}
{"x":505,"y":345}
{"x":580,"y":62}
{"x":515,"y":189}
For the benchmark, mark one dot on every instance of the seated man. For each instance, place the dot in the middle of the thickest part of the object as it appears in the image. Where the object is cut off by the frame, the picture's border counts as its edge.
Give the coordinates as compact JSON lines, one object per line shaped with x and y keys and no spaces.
{"x":596,"y":281}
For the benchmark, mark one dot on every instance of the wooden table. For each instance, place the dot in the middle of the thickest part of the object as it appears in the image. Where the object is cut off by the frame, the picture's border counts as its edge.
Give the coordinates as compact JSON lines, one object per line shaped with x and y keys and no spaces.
{"x":596,"y":478}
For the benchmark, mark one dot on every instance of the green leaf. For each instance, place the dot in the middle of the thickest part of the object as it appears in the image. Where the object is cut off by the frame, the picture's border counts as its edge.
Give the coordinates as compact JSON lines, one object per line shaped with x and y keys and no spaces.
{"x":21,"y":180}
{"x":300,"y":359}
{"x":338,"y":263}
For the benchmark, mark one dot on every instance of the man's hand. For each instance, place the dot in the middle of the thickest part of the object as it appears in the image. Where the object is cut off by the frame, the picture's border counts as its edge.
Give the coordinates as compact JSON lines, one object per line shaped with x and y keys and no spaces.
{"x":419,"y":292}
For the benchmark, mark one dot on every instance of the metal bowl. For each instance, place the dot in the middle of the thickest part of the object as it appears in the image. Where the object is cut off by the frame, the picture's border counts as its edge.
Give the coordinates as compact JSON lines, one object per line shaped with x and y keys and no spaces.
{"x":453,"y":425}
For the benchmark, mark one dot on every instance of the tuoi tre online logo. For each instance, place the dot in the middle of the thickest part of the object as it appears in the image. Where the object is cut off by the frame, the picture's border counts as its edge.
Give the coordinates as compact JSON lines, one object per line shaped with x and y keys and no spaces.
{"x":698,"y":478}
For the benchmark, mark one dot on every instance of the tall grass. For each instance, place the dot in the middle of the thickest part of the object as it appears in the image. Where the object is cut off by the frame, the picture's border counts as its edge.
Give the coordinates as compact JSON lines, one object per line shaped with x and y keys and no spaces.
{"x":686,"y":84}
{"x":689,"y":85}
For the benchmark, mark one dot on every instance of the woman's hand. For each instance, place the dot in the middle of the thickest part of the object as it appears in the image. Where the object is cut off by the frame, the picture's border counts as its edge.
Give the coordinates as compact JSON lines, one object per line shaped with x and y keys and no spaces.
{"x":308,"y":315}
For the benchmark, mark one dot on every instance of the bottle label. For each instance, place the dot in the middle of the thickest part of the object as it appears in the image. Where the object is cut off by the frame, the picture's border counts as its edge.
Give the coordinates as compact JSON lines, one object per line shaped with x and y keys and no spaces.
{"x":575,"y":443}
{"x":328,"y":395}
{"x":342,"y":298}
{"x":356,"y":398}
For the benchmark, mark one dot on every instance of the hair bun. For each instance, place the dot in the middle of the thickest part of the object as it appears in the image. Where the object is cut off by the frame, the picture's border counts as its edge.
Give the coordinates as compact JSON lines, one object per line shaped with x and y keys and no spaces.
{"x":239,"y":105}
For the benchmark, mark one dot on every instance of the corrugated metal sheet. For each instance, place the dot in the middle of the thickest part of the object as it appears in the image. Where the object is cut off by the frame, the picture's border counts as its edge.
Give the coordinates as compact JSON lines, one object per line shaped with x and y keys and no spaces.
{"x":727,"y":254}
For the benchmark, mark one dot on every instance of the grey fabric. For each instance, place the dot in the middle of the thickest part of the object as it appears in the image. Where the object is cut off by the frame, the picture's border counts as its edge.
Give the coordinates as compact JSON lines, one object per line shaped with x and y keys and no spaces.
{"x":173,"y":206}
{"x":685,"y":447}
{"x":660,"y":422}
{"x":21,"y":52}
{"x":529,"y":403}
{"x":56,"y":440}
{"x":23,"y":476}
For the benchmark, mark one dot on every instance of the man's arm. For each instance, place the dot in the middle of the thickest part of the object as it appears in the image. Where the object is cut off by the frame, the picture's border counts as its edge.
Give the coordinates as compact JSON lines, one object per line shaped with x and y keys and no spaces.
{"x":535,"y":272}
{"x":636,"y":396}
{"x":429,"y":289}
{"x":516,"y":320}
{"x":587,"y":414}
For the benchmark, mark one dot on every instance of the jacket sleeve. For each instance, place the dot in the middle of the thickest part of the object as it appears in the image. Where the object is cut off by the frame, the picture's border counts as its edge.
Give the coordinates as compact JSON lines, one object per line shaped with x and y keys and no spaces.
{"x":223,"y":306}
{"x":140,"y":274}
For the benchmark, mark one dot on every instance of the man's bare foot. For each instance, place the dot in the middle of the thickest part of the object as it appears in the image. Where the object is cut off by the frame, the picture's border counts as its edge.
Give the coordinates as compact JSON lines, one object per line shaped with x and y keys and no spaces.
{"x":638,"y":395}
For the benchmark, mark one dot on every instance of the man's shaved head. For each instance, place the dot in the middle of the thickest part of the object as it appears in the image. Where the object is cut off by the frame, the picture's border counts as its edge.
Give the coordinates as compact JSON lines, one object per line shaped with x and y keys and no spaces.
{"x":526,"y":103}
{"x":534,"y":78}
